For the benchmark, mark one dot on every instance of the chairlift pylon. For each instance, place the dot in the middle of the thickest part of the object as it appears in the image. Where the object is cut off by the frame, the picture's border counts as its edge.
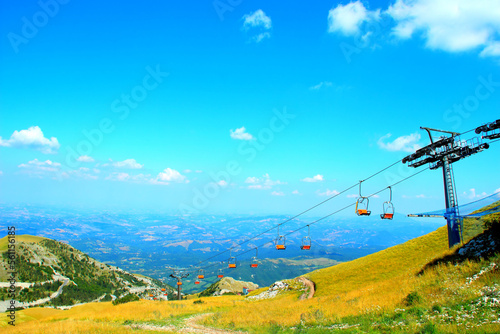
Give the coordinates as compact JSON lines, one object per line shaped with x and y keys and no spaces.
{"x":280,"y":241}
{"x":388,"y":207}
{"x":362,"y":204}
{"x":306,"y":241}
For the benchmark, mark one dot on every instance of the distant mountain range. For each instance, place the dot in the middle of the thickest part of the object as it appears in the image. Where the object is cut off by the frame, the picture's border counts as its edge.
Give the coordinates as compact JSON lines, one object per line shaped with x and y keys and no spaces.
{"x":149,"y":243}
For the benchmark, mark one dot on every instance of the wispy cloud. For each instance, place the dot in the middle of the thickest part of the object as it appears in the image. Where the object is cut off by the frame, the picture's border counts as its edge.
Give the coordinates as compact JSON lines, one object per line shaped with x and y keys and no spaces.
{"x":296,"y":192}
{"x":316,"y":178}
{"x":85,"y":158}
{"x":128,"y":163}
{"x":259,"y":23}
{"x":321,"y":84}
{"x":278,"y":193}
{"x":240,"y":134}
{"x":404,"y":143}
{"x":328,"y":192}
{"x":118,"y":176}
{"x":262,"y":183}
{"x":32,"y":138}
{"x":36,"y":168}
{"x":472,"y":194}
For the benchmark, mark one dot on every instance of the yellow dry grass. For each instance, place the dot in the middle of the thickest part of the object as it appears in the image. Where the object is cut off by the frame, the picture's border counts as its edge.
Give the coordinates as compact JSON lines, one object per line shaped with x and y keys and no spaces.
{"x":19,"y":238}
{"x":378,"y":282}
{"x":105,"y":317}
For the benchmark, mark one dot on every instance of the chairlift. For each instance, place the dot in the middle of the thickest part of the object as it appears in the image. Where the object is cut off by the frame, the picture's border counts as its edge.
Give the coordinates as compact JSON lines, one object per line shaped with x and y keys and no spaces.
{"x":231,"y":262}
{"x":179,"y":283}
{"x":280,"y":241}
{"x":388,"y":208}
{"x":201,"y":274}
{"x":220,"y":274}
{"x":253,"y":263}
{"x":362,"y":204}
{"x":163,"y":289}
{"x":306,"y":241}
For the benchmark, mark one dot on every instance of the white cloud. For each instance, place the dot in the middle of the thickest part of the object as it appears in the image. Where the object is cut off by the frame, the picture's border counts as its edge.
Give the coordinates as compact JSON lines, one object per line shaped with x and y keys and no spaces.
{"x":46,"y":165}
{"x":85,"y":158}
{"x":316,"y":178}
{"x":82,"y":172}
{"x":259,"y":22}
{"x":36,"y":168}
{"x":352,"y":196}
{"x":347,"y":19}
{"x":492,"y":50}
{"x":252,"y":179}
{"x":222,"y":183}
{"x":421,"y":196}
{"x":261,"y":36}
{"x":403,"y":143}
{"x":257,"y":19}
{"x":450,"y":25}
{"x":296,"y":192}
{"x":127,"y":163}
{"x":32,"y":138}
{"x":472,"y":194}
{"x":116,"y":176}
{"x":262,"y":183}
{"x":240,"y":134}
{"x":321,"y":84}
{"x":328,"y":192}
{"x":171,"y":175}
{"x":278,"y":193}
{"x":1,"y":173}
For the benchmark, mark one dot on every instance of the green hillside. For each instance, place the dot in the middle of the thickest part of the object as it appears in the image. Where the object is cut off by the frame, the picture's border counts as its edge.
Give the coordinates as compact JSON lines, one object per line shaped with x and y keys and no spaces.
{"x":48,"y":264}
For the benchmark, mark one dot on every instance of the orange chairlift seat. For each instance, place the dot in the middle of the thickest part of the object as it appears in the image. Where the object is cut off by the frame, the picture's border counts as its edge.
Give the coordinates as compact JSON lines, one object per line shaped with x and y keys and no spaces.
{"x":163,"y":289}
{"x":253,"y":263}
{"x":306,"y":241}
{"x":197,"y":282}
{"x":388,"y":207}
{"x":179,"y":283}
{"x":280,"y":241}
{"x":362,"y":204}
{"x":201,"y":274}
{"x":231,"y":263}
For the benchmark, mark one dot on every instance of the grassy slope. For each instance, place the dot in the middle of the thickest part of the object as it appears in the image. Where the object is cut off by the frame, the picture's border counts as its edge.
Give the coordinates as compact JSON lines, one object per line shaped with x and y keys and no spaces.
{"x":19,"y":238}
{"x":368,"y":290}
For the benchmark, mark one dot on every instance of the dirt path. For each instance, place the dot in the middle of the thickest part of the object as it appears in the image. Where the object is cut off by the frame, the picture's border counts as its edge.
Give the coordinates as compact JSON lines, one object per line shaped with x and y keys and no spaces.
{"x":192,"y":326}
{"x":310,"y":285}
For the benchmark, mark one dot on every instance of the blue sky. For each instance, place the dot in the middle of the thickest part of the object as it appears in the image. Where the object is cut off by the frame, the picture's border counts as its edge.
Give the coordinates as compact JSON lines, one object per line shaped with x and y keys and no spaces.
{"x":138,"y":106}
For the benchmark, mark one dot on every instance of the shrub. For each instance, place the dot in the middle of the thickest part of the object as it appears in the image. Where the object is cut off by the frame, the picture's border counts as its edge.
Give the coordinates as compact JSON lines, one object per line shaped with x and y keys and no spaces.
{"x":126,"y":299}
{"x":412,"y":298}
